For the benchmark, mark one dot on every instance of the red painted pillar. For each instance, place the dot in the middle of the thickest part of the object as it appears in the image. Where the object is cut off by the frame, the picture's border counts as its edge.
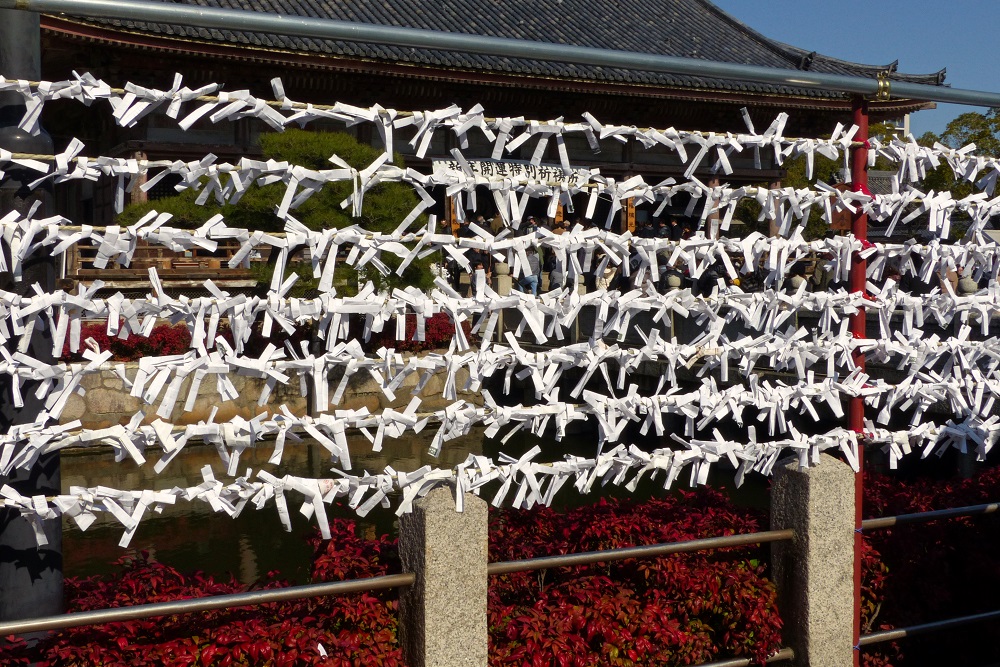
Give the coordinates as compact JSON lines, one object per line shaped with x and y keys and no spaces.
{"x":856,"y":409}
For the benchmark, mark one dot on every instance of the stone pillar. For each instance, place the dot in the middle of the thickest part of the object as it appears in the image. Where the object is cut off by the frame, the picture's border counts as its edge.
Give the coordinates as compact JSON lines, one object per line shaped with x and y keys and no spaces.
{"x":773,"y":225}
{"x":442,"y":617}
{"x":814,"y":572}
{"x":502,"y":282}
{"x":713,"y":220}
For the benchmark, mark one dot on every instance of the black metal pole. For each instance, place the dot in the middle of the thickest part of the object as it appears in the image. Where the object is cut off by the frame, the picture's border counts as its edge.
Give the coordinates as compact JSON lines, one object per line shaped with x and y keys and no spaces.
{"x":31,"y":579}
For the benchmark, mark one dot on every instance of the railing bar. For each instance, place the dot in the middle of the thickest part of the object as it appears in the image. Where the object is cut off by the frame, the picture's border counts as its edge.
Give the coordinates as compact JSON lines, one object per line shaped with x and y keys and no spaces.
{"x":922,"y":517}
{"x":100,"y":616}
{"x":647,"y":551}
{"x":778,"y":656}
{"x":900,"y":633}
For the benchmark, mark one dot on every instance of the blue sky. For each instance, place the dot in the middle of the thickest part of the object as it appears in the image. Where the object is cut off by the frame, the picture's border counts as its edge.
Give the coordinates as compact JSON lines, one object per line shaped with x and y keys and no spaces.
{"x":923,"y":35}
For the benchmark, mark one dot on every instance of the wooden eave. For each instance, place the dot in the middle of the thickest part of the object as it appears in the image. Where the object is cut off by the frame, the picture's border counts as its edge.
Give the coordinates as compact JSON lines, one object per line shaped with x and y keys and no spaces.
{"x":88,"y":33}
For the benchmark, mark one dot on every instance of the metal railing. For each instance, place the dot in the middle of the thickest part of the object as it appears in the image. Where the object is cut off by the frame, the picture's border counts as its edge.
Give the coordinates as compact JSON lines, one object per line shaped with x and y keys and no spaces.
{"x":647,"y":551}
{"x":778,"y":656}
{"x":191,"y":605}
{"x":925,"y":517}
{"x":922,"y":628}
{"x":934,"y":515}
{"x":100,"y":616}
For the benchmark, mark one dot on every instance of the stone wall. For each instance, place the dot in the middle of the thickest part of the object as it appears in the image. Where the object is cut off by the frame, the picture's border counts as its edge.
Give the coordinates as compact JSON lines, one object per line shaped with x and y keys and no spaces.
{"x":104,"y":401}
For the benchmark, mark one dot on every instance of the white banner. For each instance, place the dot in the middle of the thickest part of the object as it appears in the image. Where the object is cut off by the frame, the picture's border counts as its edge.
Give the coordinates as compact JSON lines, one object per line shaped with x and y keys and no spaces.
{"x":518,"y":170}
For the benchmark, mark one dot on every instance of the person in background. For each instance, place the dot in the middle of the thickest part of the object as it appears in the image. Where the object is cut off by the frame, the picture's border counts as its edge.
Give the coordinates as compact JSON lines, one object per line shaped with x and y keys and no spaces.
{"x":796,"y":277}
{"x":479,"y":259}
{"x":893,"y":273}
{"x":531,"y":273}
{"x":464,"y":231}
{"x":496,"y":224}
{"x":711,"y":280}
{"x":822,"y":275}
{"x":530,"y":226}
{"x":477,"y":270}
{"x":555,"y":270}
{"x":607,"y":278}
{"x":452,"y":268}
{"x":645,"y":230}
{"x":662,"y":231}
{"x":634,"y":262}
{"x":675,"y":230}
{"x":671,"y":277}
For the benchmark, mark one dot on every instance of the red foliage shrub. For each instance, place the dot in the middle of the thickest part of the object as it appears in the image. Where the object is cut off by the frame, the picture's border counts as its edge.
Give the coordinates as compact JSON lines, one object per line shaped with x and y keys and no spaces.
{"x":165,"y":339}
{"x":678,"y":609}
{"x":940,"y":569}
{"x":357,"y":630}
{"x":438,"y":332}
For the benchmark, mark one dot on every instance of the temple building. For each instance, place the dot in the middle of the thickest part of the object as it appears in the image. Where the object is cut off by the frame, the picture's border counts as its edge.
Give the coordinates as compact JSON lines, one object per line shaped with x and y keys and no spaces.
{"x":319,"y":71}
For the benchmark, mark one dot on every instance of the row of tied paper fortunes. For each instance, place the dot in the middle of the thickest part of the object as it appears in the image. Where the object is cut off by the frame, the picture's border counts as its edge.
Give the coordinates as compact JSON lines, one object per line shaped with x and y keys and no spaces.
{"x":574,"y":250}
{"x":774,"y":404}
{"x":548,"y":317}
{"x":131,"y":104}
{"x":788,"y":206}
{"x":162,"y":378}
{"x":532,"y":483}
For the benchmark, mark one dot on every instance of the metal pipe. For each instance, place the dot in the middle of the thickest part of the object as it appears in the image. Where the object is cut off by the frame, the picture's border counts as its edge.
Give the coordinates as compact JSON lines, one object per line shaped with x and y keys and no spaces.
{"x":778,"y":656}
{"x":648,"y":551}
{"x":240,"y":20}
{"x":99,"y":616}
{"x":923,"y":517}
{"x":901,"y":633}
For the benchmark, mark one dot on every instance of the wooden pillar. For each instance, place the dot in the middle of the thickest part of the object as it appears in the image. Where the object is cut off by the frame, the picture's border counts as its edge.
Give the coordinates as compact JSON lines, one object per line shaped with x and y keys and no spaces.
{"x":450,"y":216}
{"x":629,"y":215}
{"x":138,"y":195}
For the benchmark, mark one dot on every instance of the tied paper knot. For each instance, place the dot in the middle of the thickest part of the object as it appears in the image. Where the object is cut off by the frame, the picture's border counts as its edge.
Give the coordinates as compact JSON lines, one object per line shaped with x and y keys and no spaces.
{"x":968,"y":386}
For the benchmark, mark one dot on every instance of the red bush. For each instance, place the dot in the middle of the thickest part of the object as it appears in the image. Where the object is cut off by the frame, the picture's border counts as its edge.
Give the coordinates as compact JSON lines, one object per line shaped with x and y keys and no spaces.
{"x":940,"y":569}
{"x":165,"y":339}
{"x":679,"y":609}
{"x":357,"y":630}
{"x":438,"y":332}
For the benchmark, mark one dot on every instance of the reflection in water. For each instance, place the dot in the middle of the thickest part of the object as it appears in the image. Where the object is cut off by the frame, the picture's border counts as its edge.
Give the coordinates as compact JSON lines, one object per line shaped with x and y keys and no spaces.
{"x":189,"y":536}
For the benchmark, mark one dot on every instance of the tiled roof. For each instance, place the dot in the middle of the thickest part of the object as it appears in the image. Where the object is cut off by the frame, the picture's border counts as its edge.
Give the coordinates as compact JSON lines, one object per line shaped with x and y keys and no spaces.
{"x":684,"y":28}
